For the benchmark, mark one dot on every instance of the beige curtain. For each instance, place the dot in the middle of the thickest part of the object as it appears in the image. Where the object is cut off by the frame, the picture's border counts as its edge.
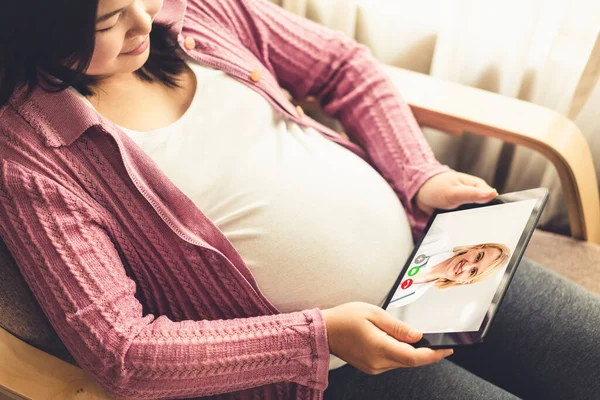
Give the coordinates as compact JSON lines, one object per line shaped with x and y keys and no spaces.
{"x":543,"y":51}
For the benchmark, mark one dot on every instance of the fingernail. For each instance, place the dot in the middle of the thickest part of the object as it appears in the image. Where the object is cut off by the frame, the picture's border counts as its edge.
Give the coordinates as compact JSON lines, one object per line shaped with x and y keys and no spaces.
{"x":449,"y":353}
{"x":413,"y":333}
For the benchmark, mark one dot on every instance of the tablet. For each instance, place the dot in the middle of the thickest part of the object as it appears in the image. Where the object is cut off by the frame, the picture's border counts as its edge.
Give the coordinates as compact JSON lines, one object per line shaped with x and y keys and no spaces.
{"x":455,"y":278}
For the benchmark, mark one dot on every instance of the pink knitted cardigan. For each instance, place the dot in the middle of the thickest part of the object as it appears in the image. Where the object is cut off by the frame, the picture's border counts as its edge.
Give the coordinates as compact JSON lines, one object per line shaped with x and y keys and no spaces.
{"x":147,"y":294}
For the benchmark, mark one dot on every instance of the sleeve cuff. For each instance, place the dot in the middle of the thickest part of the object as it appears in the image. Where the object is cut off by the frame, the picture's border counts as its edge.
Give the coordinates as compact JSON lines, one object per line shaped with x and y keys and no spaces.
{"x":320,"y":357}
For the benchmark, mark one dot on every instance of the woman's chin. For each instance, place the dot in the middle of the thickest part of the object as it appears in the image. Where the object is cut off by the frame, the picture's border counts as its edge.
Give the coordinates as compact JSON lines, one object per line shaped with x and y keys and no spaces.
{"x":128,"y":67}
{"x":139,"y":61}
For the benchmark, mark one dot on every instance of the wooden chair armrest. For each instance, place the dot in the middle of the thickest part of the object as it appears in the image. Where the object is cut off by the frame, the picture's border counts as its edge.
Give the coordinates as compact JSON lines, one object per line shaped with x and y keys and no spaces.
{"x":29,"y":373}
{"x":455,"y":108}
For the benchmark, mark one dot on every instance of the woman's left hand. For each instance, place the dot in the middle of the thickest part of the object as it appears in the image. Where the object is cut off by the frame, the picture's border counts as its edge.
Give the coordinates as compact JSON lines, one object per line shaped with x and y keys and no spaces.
{"x":450,"y":189}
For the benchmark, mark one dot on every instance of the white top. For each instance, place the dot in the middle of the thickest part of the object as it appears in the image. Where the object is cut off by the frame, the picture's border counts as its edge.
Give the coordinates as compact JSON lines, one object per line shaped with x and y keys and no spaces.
{"x":316,"y":225}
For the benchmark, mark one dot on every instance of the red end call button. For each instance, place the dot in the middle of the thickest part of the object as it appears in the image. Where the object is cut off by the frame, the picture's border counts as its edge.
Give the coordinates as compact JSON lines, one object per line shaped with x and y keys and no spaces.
{"x":406,"y":284}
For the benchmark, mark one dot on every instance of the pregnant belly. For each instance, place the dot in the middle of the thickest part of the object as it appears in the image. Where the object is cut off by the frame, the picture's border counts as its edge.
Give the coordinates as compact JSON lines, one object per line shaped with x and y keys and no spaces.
{"x":316,"y":225}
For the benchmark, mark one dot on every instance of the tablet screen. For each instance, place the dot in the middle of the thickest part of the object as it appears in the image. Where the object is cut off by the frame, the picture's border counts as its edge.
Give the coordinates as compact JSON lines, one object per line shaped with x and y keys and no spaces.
{"x":453,"y":276}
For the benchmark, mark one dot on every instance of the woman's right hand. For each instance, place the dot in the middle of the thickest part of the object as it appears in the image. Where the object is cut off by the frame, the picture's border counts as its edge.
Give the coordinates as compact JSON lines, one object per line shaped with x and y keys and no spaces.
{"x":373,"y":341}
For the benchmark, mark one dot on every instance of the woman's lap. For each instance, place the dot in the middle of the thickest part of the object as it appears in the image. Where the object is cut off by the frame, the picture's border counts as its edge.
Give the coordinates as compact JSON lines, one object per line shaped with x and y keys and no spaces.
{"x":545,"y":340}
{"x":543,"y":343}
{"x":444,"y":380}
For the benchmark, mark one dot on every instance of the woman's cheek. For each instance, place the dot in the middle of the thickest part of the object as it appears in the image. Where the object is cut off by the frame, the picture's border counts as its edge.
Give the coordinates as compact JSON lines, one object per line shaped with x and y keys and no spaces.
{"x":155,"y":7}
{"x":104,"y":58}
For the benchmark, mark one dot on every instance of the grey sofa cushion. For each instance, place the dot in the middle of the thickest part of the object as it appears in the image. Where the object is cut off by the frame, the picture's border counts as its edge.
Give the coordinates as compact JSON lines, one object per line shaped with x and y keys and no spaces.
{"x":574,"y":259}
{"x":20,"y":313}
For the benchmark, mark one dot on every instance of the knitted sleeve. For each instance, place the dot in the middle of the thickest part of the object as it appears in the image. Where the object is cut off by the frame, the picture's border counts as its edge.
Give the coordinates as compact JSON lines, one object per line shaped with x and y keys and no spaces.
{"x":311,"y":60}
{"x":75,"y":272}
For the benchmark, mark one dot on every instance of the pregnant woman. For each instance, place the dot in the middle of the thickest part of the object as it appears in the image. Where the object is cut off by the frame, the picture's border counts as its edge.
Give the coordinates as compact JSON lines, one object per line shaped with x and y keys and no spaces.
{"x":189,"y":232}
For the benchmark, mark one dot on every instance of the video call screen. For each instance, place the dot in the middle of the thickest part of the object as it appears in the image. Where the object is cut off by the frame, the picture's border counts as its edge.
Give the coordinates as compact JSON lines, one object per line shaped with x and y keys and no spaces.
{"x":451,"y":281}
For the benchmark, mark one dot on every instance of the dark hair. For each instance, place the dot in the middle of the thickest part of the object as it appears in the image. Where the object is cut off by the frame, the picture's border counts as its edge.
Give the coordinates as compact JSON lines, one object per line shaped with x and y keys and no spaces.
{"x":50,"y":43}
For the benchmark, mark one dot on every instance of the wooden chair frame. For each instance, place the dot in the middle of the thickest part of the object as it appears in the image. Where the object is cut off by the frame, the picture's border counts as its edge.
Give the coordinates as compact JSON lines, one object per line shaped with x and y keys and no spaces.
{"x":26,"y":372}
{"x":456,"y":109}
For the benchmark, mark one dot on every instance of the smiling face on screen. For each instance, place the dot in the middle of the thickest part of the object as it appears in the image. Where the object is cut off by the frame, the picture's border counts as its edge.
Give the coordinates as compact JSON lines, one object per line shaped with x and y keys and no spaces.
{"x":464,"y":267}
{"x":468,"y":264}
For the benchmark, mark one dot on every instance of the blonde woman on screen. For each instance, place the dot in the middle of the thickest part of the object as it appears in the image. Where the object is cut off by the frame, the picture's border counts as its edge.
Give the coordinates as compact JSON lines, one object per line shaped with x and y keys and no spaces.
{"x":469,"y":264}
{"x":443,"y":266}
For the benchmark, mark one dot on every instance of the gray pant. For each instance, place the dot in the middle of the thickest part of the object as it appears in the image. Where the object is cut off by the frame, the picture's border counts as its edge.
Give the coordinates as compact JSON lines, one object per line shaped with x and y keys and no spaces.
{"x":543,"y":344}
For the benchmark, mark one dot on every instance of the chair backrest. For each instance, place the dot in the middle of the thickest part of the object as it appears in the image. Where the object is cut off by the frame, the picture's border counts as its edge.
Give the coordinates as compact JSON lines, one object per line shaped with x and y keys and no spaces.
{"x":21,"y":314}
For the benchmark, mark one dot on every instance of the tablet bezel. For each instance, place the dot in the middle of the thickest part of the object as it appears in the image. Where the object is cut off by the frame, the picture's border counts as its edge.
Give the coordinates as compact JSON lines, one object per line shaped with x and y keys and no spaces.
{"x":454,"y":339}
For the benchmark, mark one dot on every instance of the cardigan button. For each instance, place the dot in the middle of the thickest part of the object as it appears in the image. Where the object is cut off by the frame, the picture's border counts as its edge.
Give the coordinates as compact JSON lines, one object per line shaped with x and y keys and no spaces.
{"x":189,"y":43}
{"x":300,"y":112}
{"x":344,"y":136}
{"x":255,"y":75}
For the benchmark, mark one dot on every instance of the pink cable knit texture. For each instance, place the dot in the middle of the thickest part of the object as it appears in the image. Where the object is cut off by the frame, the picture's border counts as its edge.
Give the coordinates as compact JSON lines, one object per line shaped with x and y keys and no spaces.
{"x":147,"y":294}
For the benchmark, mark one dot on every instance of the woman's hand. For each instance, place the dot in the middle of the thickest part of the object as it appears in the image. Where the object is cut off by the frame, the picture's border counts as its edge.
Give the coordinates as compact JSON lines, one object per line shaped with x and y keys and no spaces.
{"x":450,"y":189}
{"x":373,"y":341}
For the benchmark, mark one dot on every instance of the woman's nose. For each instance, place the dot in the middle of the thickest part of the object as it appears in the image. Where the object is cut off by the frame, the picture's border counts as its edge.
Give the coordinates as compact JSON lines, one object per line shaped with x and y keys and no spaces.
{"x":142,"y":20}
{"x":471,"y":257}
